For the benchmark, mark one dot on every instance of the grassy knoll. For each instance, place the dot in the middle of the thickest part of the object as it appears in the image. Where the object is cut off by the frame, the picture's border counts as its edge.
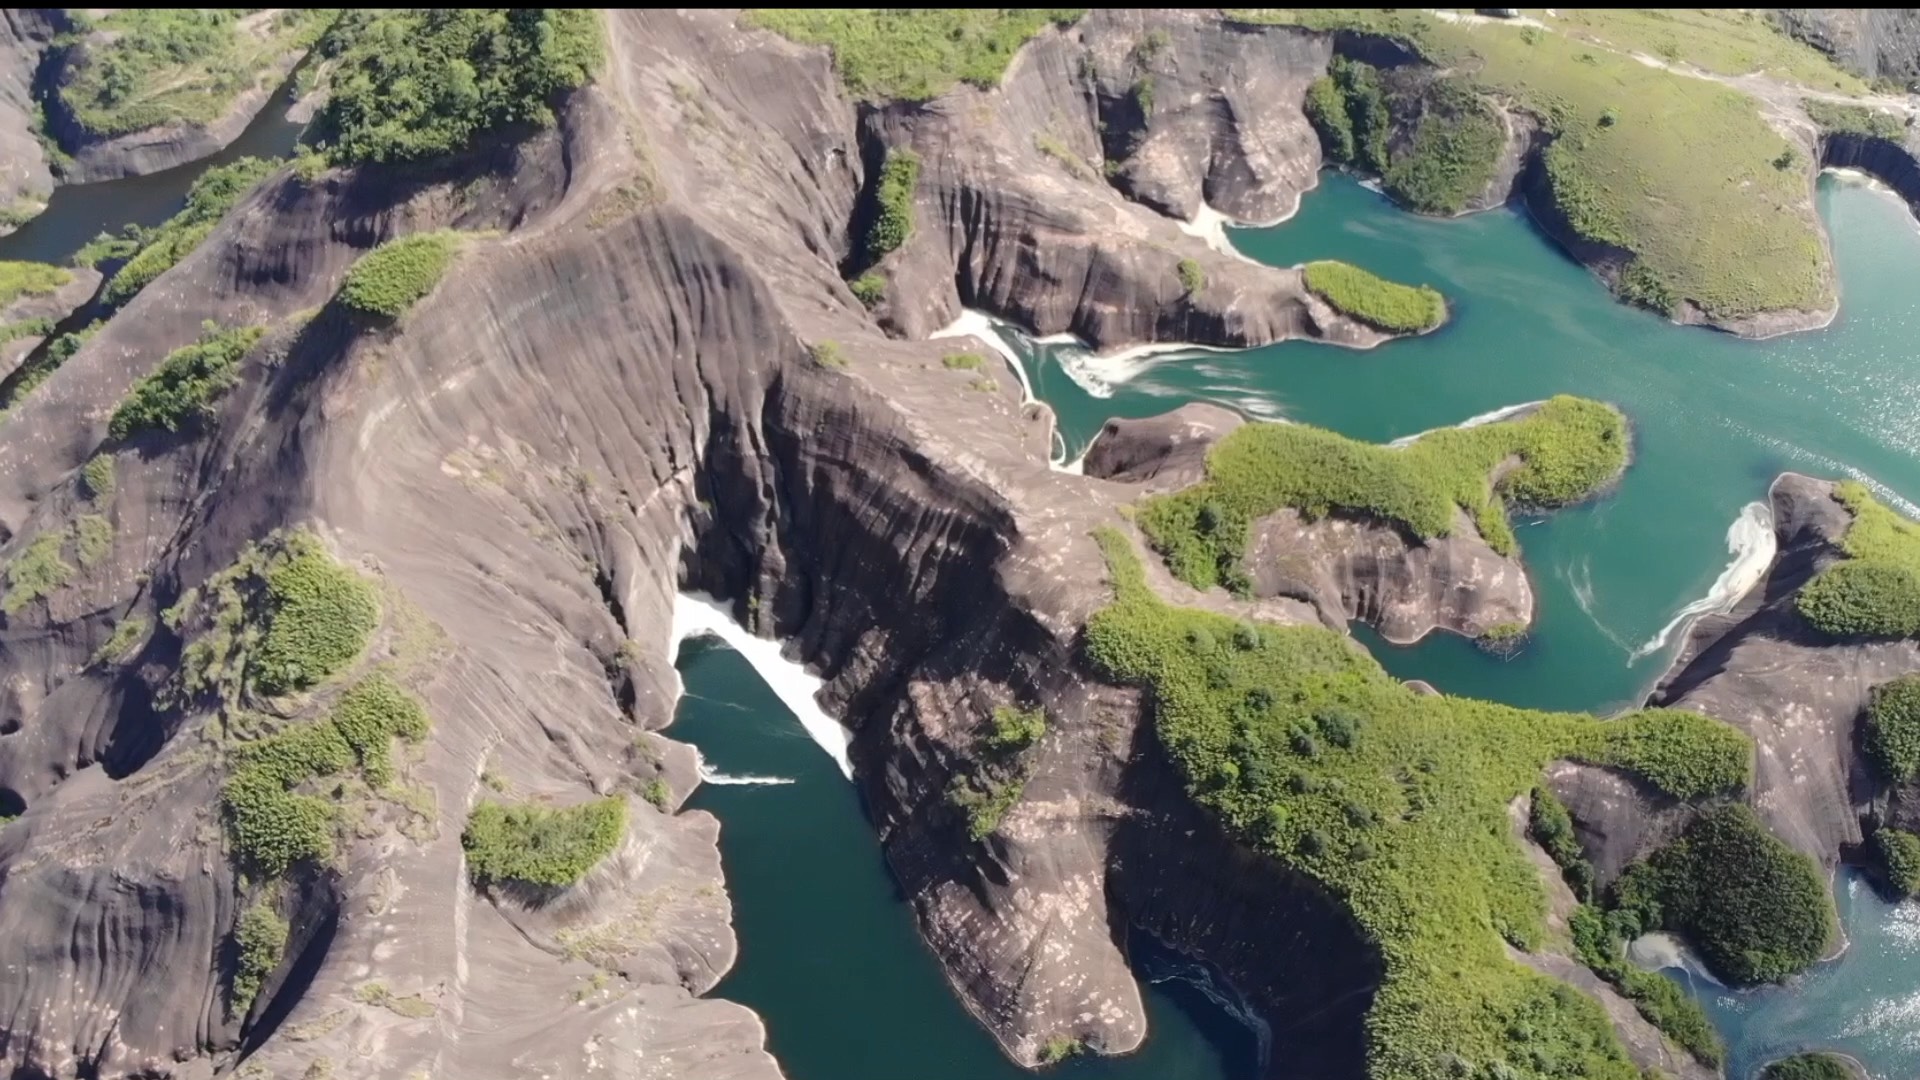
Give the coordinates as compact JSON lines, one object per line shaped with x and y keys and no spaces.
{"x":1677,"y":170}
{"x":391,"y":278}
{"x":1755,"y":909}
{"x":1809,"y":1067}
{"x":1383,"y":304}
{"x":1567,"y":449}
{"x":538,"y":845}
{"x":183,"y":389}
{"x":416,"y":83}
{"x":1875,"y":591}
{"x":160,"y":249}
{"x":913,"y":54}
{"x":18,"y":279}
{"x":161,"y":65}
{"x":1397,"y":803}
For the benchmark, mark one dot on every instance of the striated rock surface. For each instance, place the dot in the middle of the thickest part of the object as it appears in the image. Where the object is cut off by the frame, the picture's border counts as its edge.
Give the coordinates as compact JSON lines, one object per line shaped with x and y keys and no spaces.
{"x":25,"y":180}
{"x":52,"y":307}
{"x":1873,"y":43}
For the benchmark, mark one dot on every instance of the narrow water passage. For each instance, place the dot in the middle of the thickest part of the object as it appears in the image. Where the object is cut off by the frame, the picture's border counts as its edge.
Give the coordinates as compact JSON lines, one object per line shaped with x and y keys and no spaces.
{"x":829,"y":956}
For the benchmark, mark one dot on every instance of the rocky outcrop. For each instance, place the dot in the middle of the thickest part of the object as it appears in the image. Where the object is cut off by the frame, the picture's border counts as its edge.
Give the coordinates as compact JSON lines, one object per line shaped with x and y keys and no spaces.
{"x":1896,"y":164}
{"x":1874,"y":43}
{"x":25,"y":180}
{"x":1348,"y":567}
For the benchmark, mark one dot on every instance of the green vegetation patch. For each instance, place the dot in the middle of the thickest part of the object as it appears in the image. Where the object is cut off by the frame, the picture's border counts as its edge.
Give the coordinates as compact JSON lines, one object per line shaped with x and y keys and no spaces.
{"x":1726,"y":41}
{"x":283,"y":617}
{"x":1192,"y":277}
{"x":1567,"y":449}
{"x":18,"y":279}
{"x":1810,"y":1067}
{"x":25,"y":328}
{"x":98,"y":474}
{"x":164,"y":65}
{"x":1899,"y":852}
{"x":130,"y":632}
{"x":391,"y":278}
{"x":1455,"y":147}
{"x":92,"y":539}
{"x":1015,"y":728}
{"x":259,"y":938}
{"x":537,"y":845}
{"x":985,"y":799}
{"x":416,"y":83}
{"x":1875,"y":591}
{"x":215,"y":193}
{"x":893,"y":220}
{"x":37,"y":572}
{"x":1395,"y":802}
{"x":184,"y":388}
{"x":1677,"y":170}
{"x":1893,"y":728}
{"x":1757,"y":910}
{"x":913,"y":54}
{"x":1682,"y":753}
{"x":1386,"y":305}
{"x":1348,"y":108}
{"x":869,"y":288}
{"x":1834,"y":118}
{"x":964,"y":361}
{"x":271,"y":824}
{"x":1552,"y":828}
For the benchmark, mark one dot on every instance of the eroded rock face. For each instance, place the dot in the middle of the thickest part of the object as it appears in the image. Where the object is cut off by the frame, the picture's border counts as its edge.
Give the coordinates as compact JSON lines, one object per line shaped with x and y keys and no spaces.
{"x":25,"y":181}
{"x":51,"y":307}
{"x":1870,"y":42}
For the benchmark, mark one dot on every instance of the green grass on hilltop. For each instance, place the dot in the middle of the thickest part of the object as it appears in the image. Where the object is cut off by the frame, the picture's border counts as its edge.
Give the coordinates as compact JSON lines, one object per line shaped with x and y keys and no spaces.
{"x":1567,"y":449}
{"x":1726,"y":41}
{"x":160,"y":249}
{"x":1875,"y":591}
{"x":416,"y":83}
{"x":913,"y":54}
{"x":1755,"y":909}
{"x":183,"y":389}
{"x":180,"y":64}
{"x":19,"y":279}
{"x":1677,"y":170}
{"x":538,"y":845}
{"x":391,"y":278}
{"x":1383,"y":304}
{"x":1836,"y":119}
{"x":1397,"y":803}
{"x":1815,"y":1066}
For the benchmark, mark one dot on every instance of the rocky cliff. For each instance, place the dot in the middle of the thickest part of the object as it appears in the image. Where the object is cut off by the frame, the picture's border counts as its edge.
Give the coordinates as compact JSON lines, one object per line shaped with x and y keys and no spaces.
{"x":610,"y":397}
{"x":1875,"y":43}
{"x":25,"y":180}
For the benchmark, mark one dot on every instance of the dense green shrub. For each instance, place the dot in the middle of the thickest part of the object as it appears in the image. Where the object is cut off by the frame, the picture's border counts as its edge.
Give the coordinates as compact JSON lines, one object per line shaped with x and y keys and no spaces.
{"x":1656,"y":997}
{"x":415,"y":83}
{"x":1568,"y":449}
{"x":1348,"y":108}
{"x":1406,"y":825}
{"x":985,"y":800}
{"x":1893,"y":727}
{"x":19,"y":279}
{"x":1502,"y":639}
{"x":92,"y":539}
{"x":270,"y":825}
{"x":1386,"y":305}
{"x":1809,"y":1067}
{"x":1756,"y":910}
{"x":913,"y":54}
{"x":36,"y":572}
{"x":1552,"y":828}
{"x":1016,"y":728}
{"x":964,"y":361}
{"x":391,"y":278}
{"x":215,"y":193}
{"x":869,"y":288}
{"x":124,"y":637}
{"x":25,"y":328}
{"x":98,"y":475}
{"x":319,"y":615}
{"x":893,"y":219}
{"x":828,"y":354}
{"x":259,"y":938}
{"x":1899,"y":853}
{"x":536,"y":845}
{"x":1192,"y":278}
{"x":1683,"y":753}
{"x":1455,"y":147}
{"x":185,"y":386}
{"x":1875,"y":591}
{"x":1326,"y":109}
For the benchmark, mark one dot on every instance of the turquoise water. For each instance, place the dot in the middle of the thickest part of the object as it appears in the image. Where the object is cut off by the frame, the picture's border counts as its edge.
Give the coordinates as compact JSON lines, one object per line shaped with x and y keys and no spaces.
{"x":1715,"y":418}
{"x":829,"y":956}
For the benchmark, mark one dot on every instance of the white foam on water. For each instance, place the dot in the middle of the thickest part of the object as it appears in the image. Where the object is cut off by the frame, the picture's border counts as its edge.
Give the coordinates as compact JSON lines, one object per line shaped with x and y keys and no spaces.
{"x":699,"y":615}
{"x":1101,"y":374}
{"x":711,"y":775}
{"x":1751,"y":542}
{"x":1579,"y":577}
{"x":979,"y":324}
{"x":1655,"y":952}
{"x":1492,"y":417}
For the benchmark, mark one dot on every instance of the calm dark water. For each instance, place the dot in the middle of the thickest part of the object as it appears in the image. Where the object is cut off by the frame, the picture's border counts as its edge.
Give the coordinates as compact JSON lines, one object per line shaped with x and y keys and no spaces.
{"x":77,"y":213}
{"x":829,"y":956}
{"x":1714,"y":418}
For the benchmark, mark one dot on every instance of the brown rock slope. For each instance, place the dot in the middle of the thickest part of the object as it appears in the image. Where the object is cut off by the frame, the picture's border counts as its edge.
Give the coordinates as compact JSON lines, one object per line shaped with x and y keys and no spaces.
{"x":608,"y":399}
